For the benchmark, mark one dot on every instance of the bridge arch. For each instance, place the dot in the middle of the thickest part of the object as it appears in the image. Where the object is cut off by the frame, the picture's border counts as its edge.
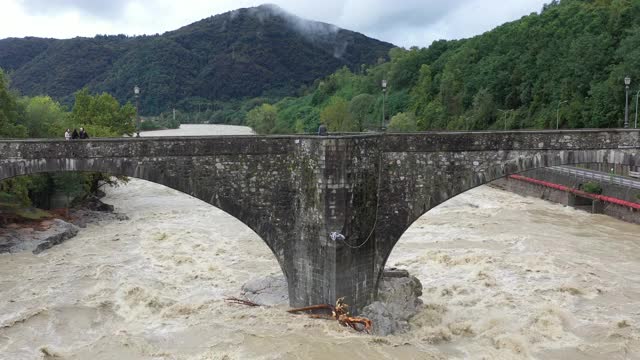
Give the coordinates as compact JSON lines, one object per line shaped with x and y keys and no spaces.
{"x":228,"y":182}
{"x":146,"y":173}
{"x":486,"y":167}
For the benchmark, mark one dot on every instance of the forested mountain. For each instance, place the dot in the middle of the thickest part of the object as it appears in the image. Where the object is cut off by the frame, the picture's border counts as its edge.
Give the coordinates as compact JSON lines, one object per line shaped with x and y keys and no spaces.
{"x":243,"y":53}
{"x":565,"y":64}
{"x":14,"y":52}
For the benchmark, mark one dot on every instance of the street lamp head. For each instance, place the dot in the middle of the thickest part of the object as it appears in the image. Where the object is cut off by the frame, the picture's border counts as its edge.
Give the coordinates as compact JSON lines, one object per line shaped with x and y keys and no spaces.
{"x":384,"y":84}
{"x":136,"y":90}
{"x":627,"y":81}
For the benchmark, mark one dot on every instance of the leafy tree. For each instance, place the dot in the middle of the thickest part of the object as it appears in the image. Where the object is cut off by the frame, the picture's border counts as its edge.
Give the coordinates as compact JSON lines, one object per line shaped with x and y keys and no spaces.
{"x":361,"y":109}
{"x":397,"y":101}
{"x":40,"y":115}
{"x":403,"y":122}
{"x":405,"y":66}
{"x":336,"y":116}
{"x":16,"y":189}
{"x":297,"y":115}
{"x":9,"y":112}
{"x":432,"y":117}
{"x":421,"y":93}
{"x":483,"y":111}
{"x":263,"y":119}
{"x":95,"y":181}
{"x":102,"y":115}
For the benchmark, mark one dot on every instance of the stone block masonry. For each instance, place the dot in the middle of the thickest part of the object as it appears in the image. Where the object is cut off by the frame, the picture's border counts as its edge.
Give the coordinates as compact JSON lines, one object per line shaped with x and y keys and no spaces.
{"x":294,"y":191}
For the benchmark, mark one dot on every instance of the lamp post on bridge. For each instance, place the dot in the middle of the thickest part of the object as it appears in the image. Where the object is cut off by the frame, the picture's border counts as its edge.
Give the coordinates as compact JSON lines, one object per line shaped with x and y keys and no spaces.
{"x":136,"y":91}
{"x":636,"y":123}
{"x":558,"y":113}
{"x":627,"y":82}
{"x":384,"y":95}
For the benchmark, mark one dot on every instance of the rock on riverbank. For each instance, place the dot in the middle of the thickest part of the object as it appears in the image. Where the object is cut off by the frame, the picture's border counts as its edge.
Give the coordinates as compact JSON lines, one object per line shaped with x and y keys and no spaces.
{"x":269,"y":291}
{"x":398,"y":301}
{"x":40,"y":236}
{"x":49,"y":233}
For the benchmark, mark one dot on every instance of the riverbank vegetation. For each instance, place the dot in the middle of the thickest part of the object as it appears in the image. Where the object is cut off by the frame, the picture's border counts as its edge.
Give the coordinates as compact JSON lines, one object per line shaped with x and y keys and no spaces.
{"x":42,"y":117}
{"x":592,"y":187}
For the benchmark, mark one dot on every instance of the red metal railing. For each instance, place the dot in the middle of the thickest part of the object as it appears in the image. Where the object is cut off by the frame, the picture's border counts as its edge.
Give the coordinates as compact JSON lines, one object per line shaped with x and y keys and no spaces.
{"x":603,"y":198}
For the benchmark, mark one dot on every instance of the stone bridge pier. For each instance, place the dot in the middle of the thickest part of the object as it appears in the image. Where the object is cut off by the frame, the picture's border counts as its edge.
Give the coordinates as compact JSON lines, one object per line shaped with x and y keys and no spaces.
{"x":331,"y":209}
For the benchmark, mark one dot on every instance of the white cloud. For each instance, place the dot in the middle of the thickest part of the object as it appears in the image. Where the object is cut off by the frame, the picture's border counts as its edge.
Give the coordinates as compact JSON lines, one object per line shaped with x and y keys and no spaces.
{"x":405,"y":22}
{"x":97,"y":8}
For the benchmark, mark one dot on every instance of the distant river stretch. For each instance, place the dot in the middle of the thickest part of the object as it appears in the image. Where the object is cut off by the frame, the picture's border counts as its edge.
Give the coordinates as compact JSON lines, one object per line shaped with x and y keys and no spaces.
{"x":505,"y":277}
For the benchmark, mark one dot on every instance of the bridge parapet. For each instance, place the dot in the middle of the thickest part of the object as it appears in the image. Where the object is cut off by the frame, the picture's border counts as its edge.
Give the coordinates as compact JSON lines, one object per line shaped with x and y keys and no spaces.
{"x":512,"y":140}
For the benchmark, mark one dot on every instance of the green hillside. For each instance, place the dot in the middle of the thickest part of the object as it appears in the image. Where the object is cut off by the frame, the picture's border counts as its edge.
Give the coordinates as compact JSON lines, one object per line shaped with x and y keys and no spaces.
{"x":244,"y":53}
{"x":565,"y":63}
{"x":14,"y":52}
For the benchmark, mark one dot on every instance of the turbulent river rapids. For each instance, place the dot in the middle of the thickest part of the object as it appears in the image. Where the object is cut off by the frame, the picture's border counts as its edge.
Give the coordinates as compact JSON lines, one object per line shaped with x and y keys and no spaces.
{"x":504,"y":276}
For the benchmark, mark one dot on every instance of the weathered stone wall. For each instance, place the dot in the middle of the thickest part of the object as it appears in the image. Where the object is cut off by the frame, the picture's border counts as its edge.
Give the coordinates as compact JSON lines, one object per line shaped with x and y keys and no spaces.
{"x":621,"y":212}
{"x":532,"y":190}
{"x":295,"y":191}
{"x":562,"y":197}
{"x":574,"y":181}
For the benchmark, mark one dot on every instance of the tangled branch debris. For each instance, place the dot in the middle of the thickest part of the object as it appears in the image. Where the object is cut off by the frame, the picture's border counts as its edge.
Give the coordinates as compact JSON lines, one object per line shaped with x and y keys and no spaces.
{"x":338,"y":312}
{"x":241,"y":302}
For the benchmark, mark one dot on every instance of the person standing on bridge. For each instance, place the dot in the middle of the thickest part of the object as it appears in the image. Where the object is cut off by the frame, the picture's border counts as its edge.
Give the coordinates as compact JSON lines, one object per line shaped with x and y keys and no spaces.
{"x":83,"y":134}
{"x":74,"y":134}
{"x":67,"y":135}
{"x":322,"y":130}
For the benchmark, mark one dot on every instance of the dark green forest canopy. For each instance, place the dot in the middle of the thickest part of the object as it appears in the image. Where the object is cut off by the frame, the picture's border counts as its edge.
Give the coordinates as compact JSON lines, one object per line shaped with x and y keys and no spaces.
{"x":565,"y":64}
{"x":240,"y":54}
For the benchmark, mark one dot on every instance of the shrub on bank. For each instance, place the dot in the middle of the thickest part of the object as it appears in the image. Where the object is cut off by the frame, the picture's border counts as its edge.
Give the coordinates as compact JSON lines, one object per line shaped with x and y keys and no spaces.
{"x":592,"y":188}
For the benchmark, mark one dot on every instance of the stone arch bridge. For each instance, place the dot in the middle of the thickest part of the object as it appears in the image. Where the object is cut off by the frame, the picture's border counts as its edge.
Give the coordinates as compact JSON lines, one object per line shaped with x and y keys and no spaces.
{"x":294,"y":191}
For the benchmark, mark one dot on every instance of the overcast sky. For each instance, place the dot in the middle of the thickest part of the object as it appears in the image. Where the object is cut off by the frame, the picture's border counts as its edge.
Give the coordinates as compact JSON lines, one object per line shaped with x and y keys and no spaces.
{"x":402,"y":22}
